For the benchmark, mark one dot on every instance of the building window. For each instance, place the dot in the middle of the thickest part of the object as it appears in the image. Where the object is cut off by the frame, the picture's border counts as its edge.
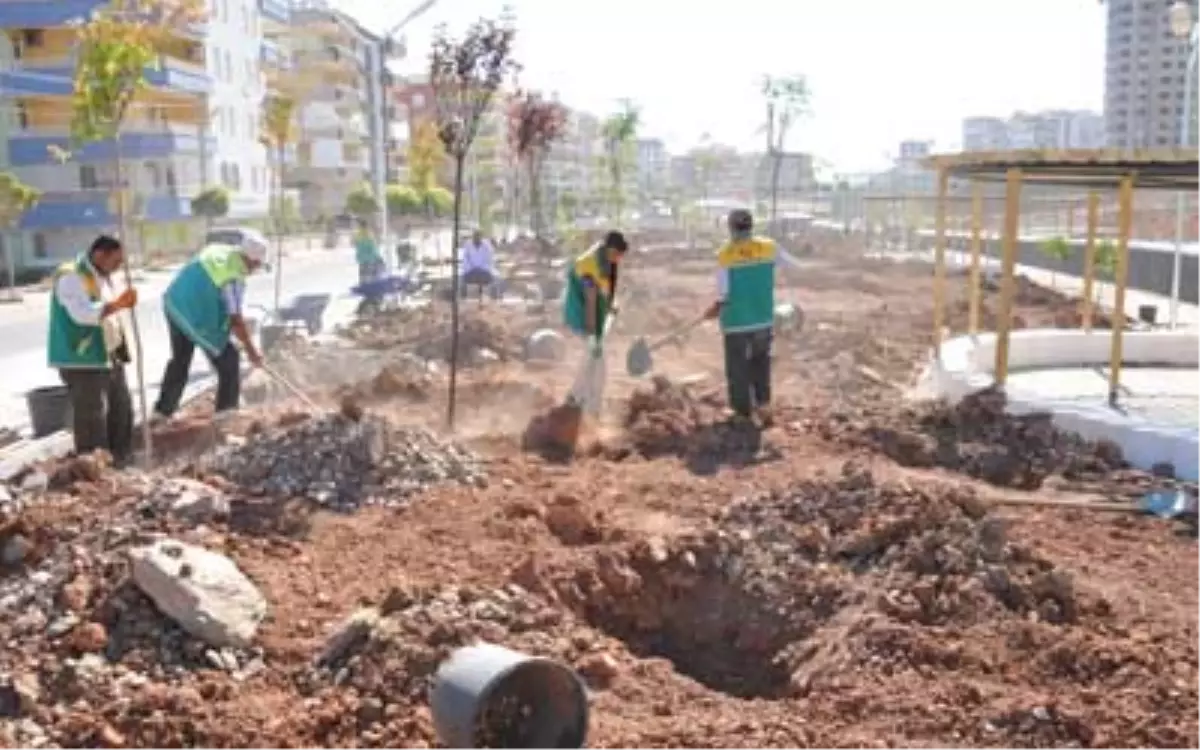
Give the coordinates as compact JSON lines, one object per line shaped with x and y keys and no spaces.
{"x":22,"y":116}
{"x":153,"y":176}
{"x":32,"y":37}
{"x":87,"y":177}
{"x":39,"y":246}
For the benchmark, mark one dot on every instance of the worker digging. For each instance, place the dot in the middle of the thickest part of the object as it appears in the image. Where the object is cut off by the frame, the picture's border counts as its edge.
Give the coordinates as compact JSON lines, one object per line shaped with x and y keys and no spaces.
{"x":588,"y":313}
{"x":204,"y":307}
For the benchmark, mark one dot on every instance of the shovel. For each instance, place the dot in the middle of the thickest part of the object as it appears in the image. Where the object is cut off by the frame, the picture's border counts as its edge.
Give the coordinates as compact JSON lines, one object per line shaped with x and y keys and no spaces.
{"x":640,"y":358}
{"x":291,"y":387}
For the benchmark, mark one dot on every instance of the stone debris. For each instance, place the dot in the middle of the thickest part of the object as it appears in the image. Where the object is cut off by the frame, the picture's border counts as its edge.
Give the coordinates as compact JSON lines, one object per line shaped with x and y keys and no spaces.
{"x":344,"y":463}
{"x":204,"y":592}
{"x":191,"y":500}
{"x":545,"y":345}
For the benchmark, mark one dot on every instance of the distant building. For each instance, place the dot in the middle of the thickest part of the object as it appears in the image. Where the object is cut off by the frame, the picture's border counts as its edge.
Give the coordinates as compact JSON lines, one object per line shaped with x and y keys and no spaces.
{"x":1052,"y":129}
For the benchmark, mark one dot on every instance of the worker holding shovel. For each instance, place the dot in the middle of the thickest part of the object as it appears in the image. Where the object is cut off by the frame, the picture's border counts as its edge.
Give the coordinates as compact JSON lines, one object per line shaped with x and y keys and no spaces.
{"x":745,"y":306}
{"x":87,"y":347}
{"x":203,"y":306}
{"x":588,"y":311}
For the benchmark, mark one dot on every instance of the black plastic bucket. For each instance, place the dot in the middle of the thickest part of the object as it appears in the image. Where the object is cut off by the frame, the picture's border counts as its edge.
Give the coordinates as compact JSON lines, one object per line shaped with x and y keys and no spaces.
{"x":1148,"y":314}
{"x":49,"y":409}
{"x":490,"y":696}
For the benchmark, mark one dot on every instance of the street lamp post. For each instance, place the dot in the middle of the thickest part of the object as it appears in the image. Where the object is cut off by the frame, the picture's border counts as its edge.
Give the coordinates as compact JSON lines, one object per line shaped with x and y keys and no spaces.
{"x":1183,"y":26}
{"x":379,"y":52}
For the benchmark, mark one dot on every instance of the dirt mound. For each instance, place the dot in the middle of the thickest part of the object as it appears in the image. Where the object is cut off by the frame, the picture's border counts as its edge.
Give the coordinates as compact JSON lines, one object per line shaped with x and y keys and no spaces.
{"x":495,"y":334}
{"x":342,"y":462}
{"x":665,"y":417}
{"x":976,"y":437}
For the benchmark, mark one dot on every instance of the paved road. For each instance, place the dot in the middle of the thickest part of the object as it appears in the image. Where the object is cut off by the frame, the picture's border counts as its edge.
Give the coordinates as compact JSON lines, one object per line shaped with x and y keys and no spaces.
{"x":23,"y":332}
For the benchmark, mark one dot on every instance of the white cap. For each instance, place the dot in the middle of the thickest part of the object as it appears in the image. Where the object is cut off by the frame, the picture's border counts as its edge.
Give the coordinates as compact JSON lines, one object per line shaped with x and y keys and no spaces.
{"x":255,"y":245}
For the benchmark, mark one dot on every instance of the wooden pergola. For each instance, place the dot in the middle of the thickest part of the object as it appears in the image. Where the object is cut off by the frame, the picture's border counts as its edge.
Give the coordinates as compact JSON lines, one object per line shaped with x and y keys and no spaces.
{"x":1093,"y":170}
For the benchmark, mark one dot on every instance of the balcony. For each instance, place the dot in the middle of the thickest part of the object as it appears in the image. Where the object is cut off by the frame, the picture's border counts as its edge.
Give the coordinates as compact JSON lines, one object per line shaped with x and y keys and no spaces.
{"x":277,"y":12}
{"x":55,"y":79}
{"x":91,"y":208}
{"x":34,"y":150}
{"x":272,"y":56}
{"x":39,"y":14}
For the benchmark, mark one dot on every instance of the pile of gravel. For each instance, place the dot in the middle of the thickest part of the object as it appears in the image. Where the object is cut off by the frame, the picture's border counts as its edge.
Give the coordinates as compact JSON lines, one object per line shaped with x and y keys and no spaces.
{"x":343,"y":463}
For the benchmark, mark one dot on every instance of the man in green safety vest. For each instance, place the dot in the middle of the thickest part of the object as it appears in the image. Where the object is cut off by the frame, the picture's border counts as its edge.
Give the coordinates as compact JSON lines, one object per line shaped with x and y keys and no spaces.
{"x":745,"y":307}
{"x":203,"y":307}
{"x":588,"y":312}
{"x":87,"y":347}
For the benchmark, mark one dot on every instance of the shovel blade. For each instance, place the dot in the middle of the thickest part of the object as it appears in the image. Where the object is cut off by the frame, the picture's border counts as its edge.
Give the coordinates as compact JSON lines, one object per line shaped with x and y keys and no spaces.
{"x":639,"y":360}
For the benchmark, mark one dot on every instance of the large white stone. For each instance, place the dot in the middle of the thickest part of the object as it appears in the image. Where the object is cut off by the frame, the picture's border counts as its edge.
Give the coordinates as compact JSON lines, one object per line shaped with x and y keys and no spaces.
{"x":204,"y":592}
{"x":545,"y":345}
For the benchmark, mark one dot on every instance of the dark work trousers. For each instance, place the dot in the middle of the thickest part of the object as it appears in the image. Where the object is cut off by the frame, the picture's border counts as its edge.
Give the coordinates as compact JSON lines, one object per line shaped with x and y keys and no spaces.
{"x":175,"y":377}
{"x":748,"y":370}
{"x":101,"y":411}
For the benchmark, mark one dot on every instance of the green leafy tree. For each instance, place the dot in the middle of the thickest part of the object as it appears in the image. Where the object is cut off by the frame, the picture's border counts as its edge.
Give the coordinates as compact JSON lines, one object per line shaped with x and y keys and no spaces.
{"x":787,"y":99}
{"x":16,"y":198}
{"x":361,"y":202}
{"x":465,"y":74}
{"x":211,"y":203}
{"x":426,"y":158}
{"x":113,"y":50}
{"x":1056,"y":248}
{"x":1105,"y":263}
{"x":619,"y":132}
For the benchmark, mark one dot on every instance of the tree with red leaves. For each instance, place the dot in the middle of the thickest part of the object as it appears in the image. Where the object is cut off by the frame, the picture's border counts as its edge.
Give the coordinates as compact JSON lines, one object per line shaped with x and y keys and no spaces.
{"x":465,"y":74}
{"x":535,"y":124}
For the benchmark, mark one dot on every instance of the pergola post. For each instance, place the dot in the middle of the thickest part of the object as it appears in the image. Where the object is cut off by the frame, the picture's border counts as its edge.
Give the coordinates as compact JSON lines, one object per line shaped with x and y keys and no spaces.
{"x":1124,"y":224}
{"x":1012,"y":228}
{"x":939,"y":262}
{"x":1089,"y":258}
{"x":976,"y":250}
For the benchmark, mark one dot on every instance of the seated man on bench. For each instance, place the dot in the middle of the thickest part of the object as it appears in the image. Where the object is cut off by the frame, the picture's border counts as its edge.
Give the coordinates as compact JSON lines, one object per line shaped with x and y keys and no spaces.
{"x":478,"y":269}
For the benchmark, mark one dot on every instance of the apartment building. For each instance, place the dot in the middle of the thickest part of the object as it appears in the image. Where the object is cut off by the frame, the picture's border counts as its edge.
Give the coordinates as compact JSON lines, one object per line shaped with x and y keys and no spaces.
{"x":1052,"y":129}
{"x":1145,"y":67}
{"x":164,"y":144}
{"x":797,"y":179}
{"x":653,"y":168}
{"x":335,"y":56}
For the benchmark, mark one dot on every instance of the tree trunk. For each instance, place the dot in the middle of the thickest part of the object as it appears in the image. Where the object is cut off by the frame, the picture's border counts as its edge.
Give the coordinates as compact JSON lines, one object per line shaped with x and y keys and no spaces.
{"x":135,"y":329}
{"x":278,"y":203}
{"x":454,"y":287}
{"x":776,"y":165}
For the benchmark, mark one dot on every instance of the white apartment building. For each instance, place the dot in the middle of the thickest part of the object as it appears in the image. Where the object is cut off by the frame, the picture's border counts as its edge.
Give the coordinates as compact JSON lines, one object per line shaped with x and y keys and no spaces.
{"x":239,"y":159}
{"x":984,"y":134}
{"x":653,"y":168}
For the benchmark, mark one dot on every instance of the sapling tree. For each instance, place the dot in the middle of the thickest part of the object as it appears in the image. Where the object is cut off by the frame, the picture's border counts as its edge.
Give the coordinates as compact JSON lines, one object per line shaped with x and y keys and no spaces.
{"x":15,"y":199}
{"x":535,"y":124}
{"x":114,"y":48}
{"x":277,"y":122}
{"x":1105,"y":263}
{"x":426,"y":157}
{"x":619,"y":132}
{"x":465,"y":74}
{"x":787,"y":100}
{"x":1056,"y":248}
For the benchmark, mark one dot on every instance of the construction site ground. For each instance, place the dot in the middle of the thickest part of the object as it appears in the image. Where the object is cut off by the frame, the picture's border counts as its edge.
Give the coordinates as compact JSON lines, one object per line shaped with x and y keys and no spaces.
{"x":864,"y":572}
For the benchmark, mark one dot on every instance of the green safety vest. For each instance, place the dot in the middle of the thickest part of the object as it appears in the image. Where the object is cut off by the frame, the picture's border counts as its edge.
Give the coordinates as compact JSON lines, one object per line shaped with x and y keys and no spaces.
{"x":590,"y":265}
{"x":193,"y":301}
{"x":73,"y":346}
{"x":750,"y":300}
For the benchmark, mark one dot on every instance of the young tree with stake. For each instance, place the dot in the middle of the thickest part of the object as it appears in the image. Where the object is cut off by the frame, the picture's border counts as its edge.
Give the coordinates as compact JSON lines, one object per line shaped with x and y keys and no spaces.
{"x":465,"y":74}
{"x":113,"y":51}
{"x":619,"y":132}
{"x":278,"y":123}
{"x":535,"y":124}
{"x":15,"y":199}
{"x":787,"y":99}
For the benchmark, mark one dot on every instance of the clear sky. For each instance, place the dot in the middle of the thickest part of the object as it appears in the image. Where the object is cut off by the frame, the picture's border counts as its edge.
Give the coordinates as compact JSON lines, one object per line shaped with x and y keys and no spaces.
{"x":881,"y":71}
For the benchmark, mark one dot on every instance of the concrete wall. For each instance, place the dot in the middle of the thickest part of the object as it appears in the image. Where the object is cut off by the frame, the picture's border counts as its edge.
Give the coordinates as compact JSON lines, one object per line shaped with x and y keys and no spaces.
{"x":965,"y":366}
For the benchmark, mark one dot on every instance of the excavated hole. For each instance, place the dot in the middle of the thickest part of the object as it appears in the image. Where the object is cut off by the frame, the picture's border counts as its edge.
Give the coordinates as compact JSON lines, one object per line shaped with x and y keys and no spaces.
{"x":708,"y":627}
